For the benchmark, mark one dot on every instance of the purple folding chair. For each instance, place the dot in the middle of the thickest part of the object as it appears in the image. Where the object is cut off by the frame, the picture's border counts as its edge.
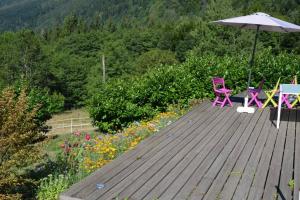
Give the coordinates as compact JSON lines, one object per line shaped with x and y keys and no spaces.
{"x":254,"y":92}
{"x":222,"y":93}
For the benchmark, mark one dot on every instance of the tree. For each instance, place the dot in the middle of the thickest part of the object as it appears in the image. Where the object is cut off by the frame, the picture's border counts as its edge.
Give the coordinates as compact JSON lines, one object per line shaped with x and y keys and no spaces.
{"x":155,"y":58}
{"x":19,"y":135}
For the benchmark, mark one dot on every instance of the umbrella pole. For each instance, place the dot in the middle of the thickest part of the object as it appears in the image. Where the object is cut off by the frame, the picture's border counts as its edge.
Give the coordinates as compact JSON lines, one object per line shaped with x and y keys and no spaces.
{"x":246,"y":108}
{"x":252,"y":58}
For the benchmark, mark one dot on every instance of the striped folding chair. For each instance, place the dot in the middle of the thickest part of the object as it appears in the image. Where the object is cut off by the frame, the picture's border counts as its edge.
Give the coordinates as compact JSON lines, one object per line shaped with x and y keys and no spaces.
{"x":270,"y":94}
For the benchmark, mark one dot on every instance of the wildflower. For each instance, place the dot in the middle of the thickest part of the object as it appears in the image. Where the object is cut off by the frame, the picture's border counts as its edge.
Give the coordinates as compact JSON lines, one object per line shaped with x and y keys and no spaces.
{"x":75,"y":144}
{"x":77,"y":133}
{"x":87,"y":137}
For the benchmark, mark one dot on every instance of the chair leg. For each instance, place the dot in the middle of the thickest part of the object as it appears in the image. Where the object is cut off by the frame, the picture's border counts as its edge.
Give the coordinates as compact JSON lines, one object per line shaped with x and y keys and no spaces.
{"x":285,"y":99}
{"x":254,"y":98}
{"x":296,"y":101}
{"x":258,"y":103}
{"x":228,"y":98}
{"x":270,"y":99}
{"x":274,"y":103}
{"x":215,"y":102}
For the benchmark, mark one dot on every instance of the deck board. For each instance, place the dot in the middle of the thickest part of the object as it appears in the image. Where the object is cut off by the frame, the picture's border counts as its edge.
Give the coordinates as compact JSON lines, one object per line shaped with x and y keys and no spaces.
{"x":236,"y":173}
{"x":176,"y":165}
{"x":248,"y":174}
{"x":209,"y":153}
{"x":227,"y":169}
{"x":167,"y":153}
{"x":272,"y":181}
{"x":288,"y":160}
{"x":297,"y":158}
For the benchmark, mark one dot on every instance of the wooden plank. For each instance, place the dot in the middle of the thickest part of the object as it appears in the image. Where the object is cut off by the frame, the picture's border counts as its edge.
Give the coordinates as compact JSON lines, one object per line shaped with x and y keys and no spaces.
{"x":165,"y":156}
{"x":85,"y":186}
{"x":170,"y":171}
{"x":206,"y":181}
{"x":287,"y":169}
{"x":272,"y":181}
{"x":254,"y":146}
{"x":297,"y":158}
{"x":205,"y":158}
{"x":199,"y":172}
{"x":196,"y":145}
{"x":246,"y":143}
{"x":260,"y":173}
{"x":168,"y":151}
{"x":249,"y":173}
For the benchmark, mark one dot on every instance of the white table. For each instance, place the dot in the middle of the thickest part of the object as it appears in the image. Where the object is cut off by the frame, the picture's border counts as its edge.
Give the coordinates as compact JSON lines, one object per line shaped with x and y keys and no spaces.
{"x":286,"y":89}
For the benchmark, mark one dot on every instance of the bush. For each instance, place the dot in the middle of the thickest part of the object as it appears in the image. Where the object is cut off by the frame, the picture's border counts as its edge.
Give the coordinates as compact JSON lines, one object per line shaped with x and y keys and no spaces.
{"x":48,"y":103}
{"x":122,"y":101}
{"x":19,"y":135}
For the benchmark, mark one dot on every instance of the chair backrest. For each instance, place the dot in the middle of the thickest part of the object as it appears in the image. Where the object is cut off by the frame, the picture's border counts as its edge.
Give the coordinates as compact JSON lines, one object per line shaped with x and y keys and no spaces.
{"x":294,"y":80}
{"x":218,"y":83}
{"x":261,"y":84}
{"x":277,"y":84}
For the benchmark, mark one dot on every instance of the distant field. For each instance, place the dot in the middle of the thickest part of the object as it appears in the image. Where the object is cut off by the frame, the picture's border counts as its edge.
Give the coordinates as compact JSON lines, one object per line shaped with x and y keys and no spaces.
{"x":78,"y":118}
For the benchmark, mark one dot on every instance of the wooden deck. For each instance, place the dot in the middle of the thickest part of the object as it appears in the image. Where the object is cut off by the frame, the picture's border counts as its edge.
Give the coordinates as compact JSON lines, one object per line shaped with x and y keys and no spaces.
{"x":210,"y":153}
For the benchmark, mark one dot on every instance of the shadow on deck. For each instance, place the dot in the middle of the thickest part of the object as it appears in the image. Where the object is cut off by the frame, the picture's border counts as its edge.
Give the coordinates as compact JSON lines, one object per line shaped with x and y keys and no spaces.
{"x":210,"y":153}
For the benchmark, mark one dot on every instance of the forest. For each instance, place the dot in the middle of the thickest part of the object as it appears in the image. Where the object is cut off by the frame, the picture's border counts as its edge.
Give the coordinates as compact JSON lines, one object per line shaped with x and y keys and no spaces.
{"x":157,"y":53}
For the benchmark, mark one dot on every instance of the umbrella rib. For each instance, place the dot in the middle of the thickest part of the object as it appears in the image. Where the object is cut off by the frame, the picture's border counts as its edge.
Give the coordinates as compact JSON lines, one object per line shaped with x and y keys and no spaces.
{"x":284,"y":29}
{"x":243,"y":26}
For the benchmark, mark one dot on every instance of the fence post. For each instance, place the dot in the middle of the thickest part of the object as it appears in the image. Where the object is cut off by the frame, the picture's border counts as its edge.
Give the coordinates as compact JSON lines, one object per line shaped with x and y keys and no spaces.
{"x":71,"y":125}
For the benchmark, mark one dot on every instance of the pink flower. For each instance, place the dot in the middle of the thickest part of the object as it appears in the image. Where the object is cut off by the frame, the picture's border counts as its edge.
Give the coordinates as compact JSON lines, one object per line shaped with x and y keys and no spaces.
{"x":87,"y":137}
{"x":77,"y":133}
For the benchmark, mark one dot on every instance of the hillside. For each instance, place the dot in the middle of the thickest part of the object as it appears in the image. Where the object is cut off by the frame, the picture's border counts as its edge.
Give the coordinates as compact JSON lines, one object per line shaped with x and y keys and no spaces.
{"x":16,"y":14}
{"x":64,"y":52}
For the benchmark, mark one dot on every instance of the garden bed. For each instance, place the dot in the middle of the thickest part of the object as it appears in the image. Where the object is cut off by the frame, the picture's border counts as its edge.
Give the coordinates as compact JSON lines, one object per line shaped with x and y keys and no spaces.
{"x":82,"y":153}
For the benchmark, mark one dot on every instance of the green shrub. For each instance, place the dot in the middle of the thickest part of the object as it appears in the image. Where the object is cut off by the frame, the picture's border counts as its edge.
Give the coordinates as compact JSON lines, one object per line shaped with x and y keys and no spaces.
{"x":49,"y":103}
{"x":122,"y":101}
{"x":53,"y":185}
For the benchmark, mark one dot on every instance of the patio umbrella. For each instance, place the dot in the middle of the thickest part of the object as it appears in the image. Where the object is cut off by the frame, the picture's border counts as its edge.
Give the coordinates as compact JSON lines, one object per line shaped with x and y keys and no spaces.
{"x":259,"y":22}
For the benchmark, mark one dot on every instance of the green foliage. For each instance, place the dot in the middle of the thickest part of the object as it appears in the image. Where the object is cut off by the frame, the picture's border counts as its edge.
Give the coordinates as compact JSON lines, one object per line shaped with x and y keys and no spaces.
{"x":19,"y":134}
{"x":53,"y":185}
{"x":154,"y":58}
{"x":48,"y":104}
{"x":121,"y":102}
{"x":291,"y":184}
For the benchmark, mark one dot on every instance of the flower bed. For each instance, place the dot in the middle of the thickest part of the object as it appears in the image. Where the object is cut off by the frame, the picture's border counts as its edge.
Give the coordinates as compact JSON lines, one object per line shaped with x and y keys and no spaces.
{"x":84,"y":153}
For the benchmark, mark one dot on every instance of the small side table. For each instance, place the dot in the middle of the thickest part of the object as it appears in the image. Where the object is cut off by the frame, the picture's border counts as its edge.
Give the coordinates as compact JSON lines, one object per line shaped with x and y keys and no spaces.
{"x":285,"y":89}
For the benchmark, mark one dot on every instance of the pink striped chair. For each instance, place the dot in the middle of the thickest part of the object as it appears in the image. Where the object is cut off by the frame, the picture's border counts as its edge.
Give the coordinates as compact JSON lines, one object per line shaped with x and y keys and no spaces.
{"x":222,"y":93}
{"x":285,"y":97}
